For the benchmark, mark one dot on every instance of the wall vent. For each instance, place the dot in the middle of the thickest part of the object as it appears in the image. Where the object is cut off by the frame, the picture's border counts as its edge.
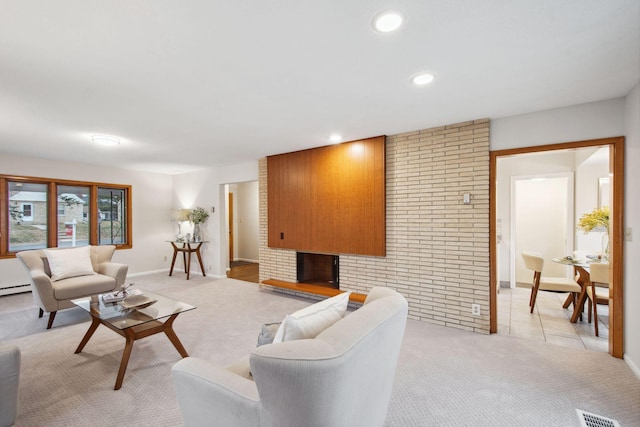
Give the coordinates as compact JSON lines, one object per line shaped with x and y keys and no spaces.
{"x":592,"y":420}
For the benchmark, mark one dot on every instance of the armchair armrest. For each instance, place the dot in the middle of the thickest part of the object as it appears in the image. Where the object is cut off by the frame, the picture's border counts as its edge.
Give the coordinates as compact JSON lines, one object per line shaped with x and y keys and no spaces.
{"x":115,"y":270}
{"x":207,"y":393}
{"x":43,"y":290}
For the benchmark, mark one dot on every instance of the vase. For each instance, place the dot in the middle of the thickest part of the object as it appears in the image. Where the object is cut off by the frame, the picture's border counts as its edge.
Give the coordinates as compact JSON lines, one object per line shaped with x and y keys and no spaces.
{"x":197,"y":235}
{"x":605,"y":247}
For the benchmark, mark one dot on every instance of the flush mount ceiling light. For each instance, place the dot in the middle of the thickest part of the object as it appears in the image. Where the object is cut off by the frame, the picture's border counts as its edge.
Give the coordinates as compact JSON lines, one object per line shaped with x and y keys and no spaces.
{"x":105,"y":139}
{"x":335,"y":138}
{"x":387,"y":21}
{"x":422,"y":78}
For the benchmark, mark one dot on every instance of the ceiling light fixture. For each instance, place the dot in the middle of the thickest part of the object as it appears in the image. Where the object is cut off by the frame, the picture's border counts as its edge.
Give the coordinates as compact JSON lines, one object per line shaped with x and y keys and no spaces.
{"x":423,"y":78}
{"x":335,"y":138}
{"x":387,"y":21}
{"x":105,"y":139}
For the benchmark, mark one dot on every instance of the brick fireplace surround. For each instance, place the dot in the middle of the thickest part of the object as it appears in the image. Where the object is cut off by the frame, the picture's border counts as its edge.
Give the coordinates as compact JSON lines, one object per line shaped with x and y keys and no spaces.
{"x":437,"y":247}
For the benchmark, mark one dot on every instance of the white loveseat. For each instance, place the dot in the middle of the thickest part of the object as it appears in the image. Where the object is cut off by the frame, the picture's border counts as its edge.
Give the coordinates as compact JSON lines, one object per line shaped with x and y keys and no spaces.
{"x":342,"y":377}
{"x":51,"y":295}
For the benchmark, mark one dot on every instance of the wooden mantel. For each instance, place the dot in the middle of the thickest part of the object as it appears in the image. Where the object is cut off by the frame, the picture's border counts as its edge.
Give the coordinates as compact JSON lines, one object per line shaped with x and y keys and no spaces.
{"x":313,"y":289}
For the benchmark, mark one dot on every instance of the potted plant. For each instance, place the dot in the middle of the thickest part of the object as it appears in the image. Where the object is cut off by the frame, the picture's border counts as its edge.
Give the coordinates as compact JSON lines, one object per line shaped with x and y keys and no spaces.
{"x":598,"y":220}
{"x":198,"y":216}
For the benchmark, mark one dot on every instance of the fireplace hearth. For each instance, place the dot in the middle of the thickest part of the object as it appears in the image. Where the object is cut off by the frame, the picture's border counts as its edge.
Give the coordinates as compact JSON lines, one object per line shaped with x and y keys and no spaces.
{"x":318,"y":269}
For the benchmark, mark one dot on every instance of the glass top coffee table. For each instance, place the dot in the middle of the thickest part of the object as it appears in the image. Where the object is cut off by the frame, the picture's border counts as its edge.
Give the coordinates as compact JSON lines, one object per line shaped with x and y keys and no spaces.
{"x":133,"y":323}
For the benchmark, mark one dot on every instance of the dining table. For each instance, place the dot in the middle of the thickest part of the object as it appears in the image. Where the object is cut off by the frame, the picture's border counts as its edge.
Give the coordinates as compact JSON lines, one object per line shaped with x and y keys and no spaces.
{"x":581,"y":272}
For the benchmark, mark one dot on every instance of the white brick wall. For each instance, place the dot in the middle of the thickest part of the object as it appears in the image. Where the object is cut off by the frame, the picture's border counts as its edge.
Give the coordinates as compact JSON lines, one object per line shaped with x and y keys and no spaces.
{"x":437,"y":247}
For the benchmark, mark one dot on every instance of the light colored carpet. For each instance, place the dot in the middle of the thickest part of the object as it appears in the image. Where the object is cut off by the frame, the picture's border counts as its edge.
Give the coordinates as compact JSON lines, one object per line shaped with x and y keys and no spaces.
{"x":445,"y":377}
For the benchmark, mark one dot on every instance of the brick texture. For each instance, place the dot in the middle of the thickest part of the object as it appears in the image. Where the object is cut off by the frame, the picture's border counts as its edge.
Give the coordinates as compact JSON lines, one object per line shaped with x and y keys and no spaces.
{"x":437,"y":247}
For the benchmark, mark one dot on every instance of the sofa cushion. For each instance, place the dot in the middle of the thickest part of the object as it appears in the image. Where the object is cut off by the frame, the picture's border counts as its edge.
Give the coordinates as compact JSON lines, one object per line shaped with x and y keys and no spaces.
{"x":268,"y":333}
{"x":66,"y":263}
{"x":82,"y":286}
{"x":310,"y":321}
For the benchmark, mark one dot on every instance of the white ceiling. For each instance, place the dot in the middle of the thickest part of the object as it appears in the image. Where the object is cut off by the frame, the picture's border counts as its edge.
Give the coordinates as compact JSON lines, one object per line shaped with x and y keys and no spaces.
{"x":199,"y":83}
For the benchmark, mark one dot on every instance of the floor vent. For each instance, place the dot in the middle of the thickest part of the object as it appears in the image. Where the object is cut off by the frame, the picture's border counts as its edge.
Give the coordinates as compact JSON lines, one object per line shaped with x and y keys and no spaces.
{"x":592,"y":420}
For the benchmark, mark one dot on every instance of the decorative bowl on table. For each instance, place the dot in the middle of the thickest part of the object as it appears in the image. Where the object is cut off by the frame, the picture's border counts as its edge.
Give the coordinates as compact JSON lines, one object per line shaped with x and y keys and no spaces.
{"x":137,"y":301}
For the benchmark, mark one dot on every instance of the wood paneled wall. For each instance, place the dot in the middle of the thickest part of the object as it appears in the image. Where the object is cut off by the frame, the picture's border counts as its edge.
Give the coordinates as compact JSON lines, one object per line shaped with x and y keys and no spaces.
{"x":329,"y":199}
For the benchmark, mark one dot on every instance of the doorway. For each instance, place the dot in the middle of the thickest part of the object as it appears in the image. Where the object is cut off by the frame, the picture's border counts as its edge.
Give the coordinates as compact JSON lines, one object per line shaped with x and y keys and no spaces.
{"x":242,"y":230}
{"x":542,"y":210}
{"x":498,"y":244}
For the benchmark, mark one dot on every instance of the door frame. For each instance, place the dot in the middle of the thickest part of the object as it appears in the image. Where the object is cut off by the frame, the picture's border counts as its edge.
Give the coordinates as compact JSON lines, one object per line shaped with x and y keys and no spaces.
{"x":616,"y":232}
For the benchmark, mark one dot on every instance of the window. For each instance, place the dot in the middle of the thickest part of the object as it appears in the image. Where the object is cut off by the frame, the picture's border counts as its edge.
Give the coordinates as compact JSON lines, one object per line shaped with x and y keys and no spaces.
{"x":111,"y":211}
{"x":39,"y":213}
{"x":27,"y":216}
{"x":73,"y":225}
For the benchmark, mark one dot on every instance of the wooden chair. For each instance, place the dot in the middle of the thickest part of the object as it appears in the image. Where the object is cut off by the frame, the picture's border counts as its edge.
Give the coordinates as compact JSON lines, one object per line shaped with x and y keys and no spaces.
{"x":534,"y":261}
{"x":598,"y":290}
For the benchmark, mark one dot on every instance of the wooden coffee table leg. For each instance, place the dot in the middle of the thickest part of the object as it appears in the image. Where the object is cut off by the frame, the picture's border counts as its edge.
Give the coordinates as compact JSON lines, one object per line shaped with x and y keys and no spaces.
{"x":129,"y":335}
{"x":94,"y":325}
{"x":170,"y":333}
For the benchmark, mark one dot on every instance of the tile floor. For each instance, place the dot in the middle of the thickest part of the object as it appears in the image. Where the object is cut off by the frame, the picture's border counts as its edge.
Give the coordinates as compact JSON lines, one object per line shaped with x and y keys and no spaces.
{"x":549,"y":321}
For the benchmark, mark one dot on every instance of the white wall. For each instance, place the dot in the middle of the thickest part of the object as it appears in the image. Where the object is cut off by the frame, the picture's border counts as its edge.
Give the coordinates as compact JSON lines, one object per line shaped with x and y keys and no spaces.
{"x":632,"y":220}
{"x":151,"y":210}
{"x":576,"y":123}
{"x":206,"y":188}
{"x":602,"y":119}
{"x":248,"y":217}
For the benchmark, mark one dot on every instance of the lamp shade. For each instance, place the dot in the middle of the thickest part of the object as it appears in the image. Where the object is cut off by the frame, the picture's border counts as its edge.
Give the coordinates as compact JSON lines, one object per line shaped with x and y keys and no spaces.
{"x":183,"y":215}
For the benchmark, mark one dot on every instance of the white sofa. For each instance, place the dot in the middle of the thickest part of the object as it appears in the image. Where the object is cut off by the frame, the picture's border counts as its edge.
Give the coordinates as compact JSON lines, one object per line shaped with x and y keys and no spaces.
{"x":9,"y":382}
{"x":342,"y":377}
{"x":51,"y":296}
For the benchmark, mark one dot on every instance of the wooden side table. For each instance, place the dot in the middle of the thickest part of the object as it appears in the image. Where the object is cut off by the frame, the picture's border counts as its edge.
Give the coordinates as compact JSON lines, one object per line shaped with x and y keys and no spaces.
{"x":187,"y":249}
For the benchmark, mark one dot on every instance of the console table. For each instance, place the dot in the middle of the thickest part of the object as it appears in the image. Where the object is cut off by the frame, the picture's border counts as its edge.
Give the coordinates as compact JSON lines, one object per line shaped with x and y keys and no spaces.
{"x":187,"y":249}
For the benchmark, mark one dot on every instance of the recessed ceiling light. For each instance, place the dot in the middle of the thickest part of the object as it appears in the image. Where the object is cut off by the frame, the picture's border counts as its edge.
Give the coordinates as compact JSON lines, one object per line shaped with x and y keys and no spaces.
{"x":105,"y":139}
{"x":387,"y":21}
{"x":335,"y":138}
{"x":422,"y":78}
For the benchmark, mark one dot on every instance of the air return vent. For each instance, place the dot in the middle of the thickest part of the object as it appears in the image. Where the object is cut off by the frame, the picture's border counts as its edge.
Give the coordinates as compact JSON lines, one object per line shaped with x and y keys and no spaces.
{"x":592,"y":420}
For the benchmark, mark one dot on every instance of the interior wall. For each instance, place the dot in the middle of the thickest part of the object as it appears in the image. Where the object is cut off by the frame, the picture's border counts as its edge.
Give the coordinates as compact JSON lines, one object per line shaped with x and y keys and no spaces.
{"x":248,"y":222}
{"x":437,"y":246}
{"x":632,"y":222}
{"x":151,"y":211}
{"x":206,"y":188}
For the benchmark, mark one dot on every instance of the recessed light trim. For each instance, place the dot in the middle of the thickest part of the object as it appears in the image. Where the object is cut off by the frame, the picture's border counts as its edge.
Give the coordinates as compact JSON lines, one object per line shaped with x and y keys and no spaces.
{"x":105,"y":140}
{"x":335,"y":138}
{"x":387,"y":21}
{"x":423,"y":78}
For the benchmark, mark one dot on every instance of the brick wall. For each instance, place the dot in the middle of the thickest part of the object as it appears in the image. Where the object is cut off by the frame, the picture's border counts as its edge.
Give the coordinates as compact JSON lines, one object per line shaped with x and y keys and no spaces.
{"x":437,"y":247}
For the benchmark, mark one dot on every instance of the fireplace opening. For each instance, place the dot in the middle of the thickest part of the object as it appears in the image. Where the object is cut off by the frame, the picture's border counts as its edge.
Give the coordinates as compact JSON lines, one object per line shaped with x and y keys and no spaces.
{"x":318,"y":269}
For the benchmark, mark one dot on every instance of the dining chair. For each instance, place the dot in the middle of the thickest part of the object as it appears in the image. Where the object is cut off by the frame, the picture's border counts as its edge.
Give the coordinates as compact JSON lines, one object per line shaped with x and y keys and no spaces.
{"x":598,"y":290}
{"x":534,"y":261}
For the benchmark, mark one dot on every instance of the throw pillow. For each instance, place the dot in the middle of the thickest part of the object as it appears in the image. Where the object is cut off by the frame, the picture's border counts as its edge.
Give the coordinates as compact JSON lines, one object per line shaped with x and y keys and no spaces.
{"x":66,"y":263}
{"x":310,"y":321}
{"x":268,"y":333}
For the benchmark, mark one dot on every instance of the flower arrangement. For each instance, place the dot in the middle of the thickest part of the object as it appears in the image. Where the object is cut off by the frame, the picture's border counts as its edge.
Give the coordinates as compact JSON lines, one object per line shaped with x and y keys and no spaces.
{"x":599,"y":218}
{"x":198,"y":215}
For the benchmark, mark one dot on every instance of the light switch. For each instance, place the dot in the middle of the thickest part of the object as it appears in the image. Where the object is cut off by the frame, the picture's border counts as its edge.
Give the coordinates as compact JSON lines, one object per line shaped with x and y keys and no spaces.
{"x":466,"y":198}
{"x":628,"y":235}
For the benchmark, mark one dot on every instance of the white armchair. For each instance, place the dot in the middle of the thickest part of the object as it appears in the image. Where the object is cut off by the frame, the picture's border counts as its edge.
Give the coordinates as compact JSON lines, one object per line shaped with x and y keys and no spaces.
{"x":343,"y":377}
{"x":53,"y":295}
{"x":9,"y":382}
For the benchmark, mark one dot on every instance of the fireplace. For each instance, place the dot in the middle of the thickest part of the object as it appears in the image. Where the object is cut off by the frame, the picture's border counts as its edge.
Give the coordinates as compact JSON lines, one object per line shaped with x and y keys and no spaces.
{"x":318,"y":269}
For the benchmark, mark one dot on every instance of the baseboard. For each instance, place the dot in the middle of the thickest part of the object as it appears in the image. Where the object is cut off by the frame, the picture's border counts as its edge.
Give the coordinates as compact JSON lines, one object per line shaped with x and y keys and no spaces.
{"x":632,"y":366}
{"x":255,"y":261}
{"x":17,"y":289}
